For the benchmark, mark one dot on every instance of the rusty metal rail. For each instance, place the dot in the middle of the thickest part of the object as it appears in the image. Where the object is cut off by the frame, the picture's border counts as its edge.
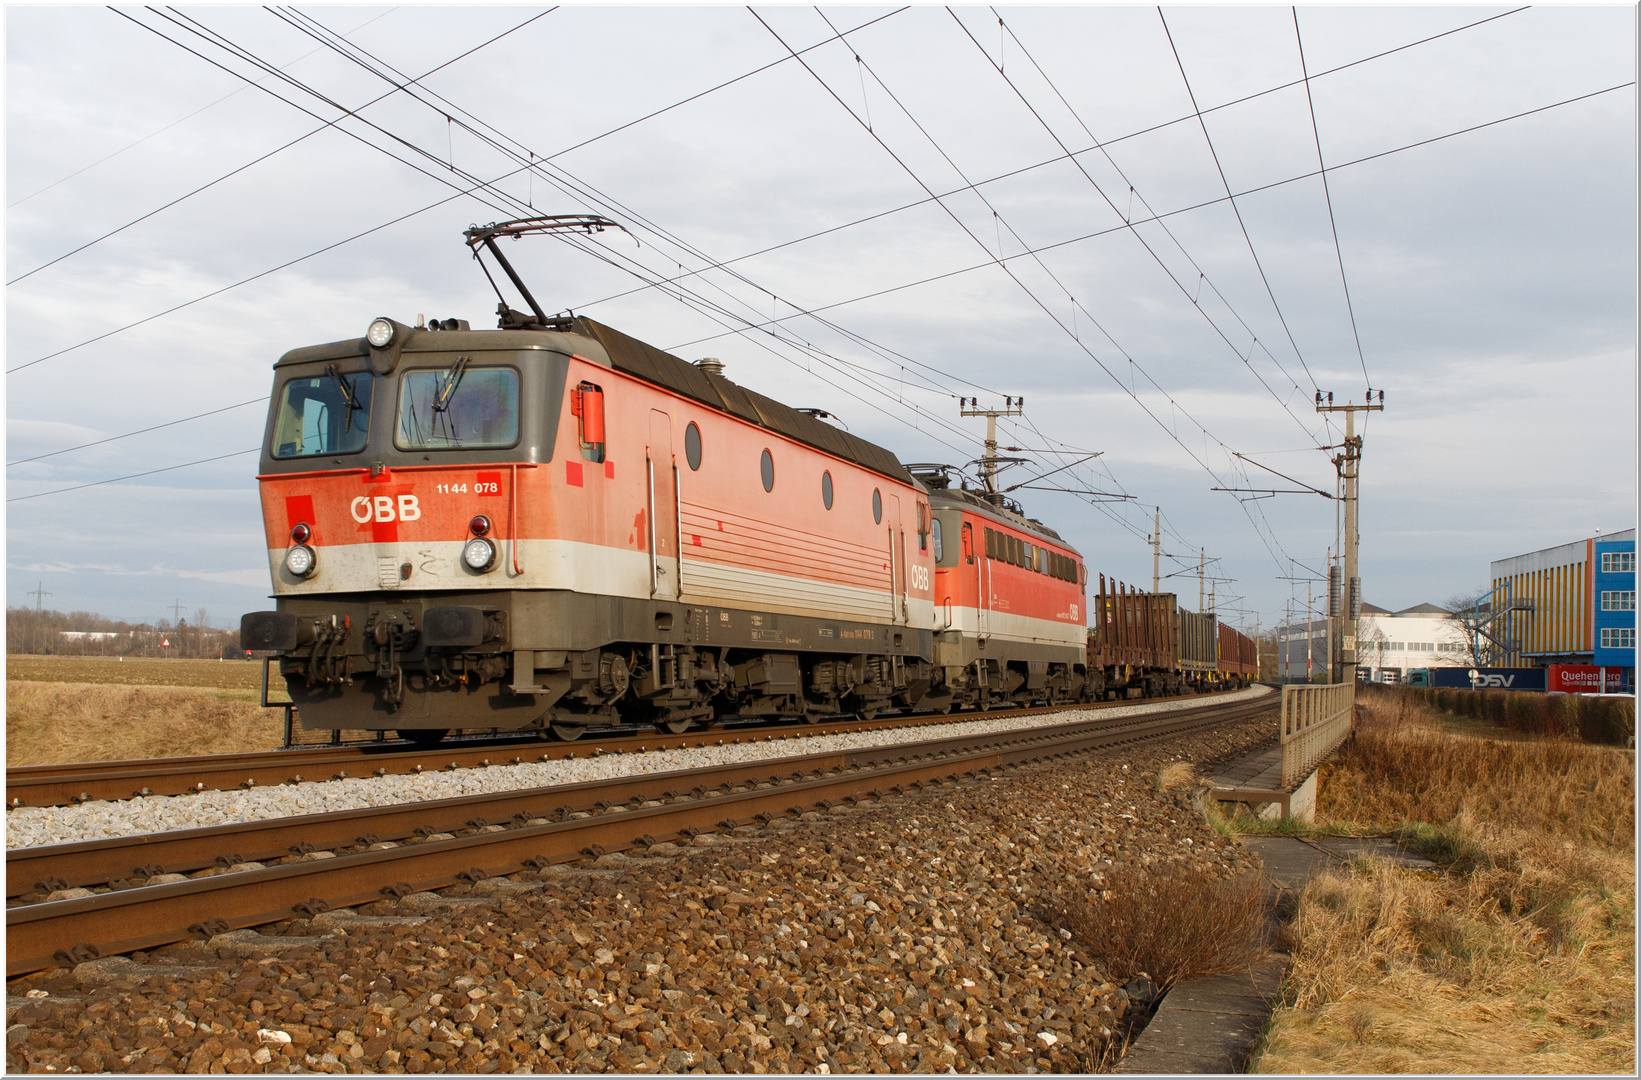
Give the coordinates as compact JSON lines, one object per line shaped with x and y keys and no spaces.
{"x":59,"y":785}
{"x":134,"y":858}
{"x":40,"y":935}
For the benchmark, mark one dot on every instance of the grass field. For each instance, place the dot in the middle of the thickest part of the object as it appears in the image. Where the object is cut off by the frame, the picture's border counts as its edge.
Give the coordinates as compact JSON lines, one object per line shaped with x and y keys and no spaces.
{"x":1519,"y":957}
{"x":244,"y":675}
{"x":55,"y":722}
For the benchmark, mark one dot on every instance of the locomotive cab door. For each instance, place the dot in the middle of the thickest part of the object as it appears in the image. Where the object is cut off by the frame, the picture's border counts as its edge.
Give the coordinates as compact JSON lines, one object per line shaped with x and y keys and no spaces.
{"x":897,"y":564}
{"x":662,"y":479}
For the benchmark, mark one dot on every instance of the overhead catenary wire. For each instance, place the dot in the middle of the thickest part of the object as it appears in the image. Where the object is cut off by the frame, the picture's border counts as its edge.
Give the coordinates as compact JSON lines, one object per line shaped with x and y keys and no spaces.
{"x":1078,"y":239}
{"x":1156,"y":257}
{"x":140,"y":431}
{"x":326,"y":125}
{"x":1184,"y":209}
{"x":386,"y":224}
{"x":180,"y":120}
{"x":1012,"y":173}
{"x":1219,"y":167}
{"x":1328,"y":195}
{"x":1011,"y":256}
{"x":1267,"y":541}
{"x":577,"y":187}
{"x":133,"y":476}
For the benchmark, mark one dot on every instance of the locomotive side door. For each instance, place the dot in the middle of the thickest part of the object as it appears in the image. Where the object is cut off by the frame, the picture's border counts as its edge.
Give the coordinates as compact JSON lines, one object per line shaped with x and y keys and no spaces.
{"x":662,"y":479}
{"x":982,"y":587}
{"x":897,"y":564}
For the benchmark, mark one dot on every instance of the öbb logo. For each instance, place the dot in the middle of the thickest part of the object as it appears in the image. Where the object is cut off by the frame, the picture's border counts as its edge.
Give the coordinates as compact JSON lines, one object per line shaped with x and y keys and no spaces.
{"x":381,"y":508}
{"x":1478,"y":681}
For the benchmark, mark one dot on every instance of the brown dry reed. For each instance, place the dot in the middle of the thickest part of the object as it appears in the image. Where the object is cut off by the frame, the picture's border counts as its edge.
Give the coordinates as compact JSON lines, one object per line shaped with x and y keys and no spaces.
{"x":1518,"y":957}
{"x":1403,"y":766}
{"x":51,"y":723}
{"x":1170,"y":921}
{"x":1608,"y":721}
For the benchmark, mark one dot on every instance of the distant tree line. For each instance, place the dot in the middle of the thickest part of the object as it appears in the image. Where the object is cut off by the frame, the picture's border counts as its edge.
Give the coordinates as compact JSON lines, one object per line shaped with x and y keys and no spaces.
{"x":84,"y":633}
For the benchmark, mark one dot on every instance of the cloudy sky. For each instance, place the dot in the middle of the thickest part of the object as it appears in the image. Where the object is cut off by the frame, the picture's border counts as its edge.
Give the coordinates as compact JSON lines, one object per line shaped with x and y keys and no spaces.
{"x":920,"y":205}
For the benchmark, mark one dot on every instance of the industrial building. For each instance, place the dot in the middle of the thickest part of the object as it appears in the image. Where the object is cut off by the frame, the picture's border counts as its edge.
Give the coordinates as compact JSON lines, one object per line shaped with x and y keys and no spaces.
{"x":1388,"y":644}
{"x":1570,"y":604}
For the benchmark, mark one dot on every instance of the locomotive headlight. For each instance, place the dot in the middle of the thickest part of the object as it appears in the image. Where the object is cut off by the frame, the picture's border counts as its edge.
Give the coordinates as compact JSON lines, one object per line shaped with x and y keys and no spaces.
{"x":479,"y":526}
{"x":479,"y":554}
{"x":300,"y":560}
{"x":380,"y":333}
{"x":300,"y":533}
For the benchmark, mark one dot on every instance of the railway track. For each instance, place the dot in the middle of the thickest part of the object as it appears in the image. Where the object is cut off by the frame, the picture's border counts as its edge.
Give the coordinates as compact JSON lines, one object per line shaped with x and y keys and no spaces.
{"x":59,"y":785}
{"x":543,"y":826}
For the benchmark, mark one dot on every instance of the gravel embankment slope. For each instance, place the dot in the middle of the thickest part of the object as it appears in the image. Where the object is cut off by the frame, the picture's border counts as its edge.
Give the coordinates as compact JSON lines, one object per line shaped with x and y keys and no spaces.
{"x":898,"y":936}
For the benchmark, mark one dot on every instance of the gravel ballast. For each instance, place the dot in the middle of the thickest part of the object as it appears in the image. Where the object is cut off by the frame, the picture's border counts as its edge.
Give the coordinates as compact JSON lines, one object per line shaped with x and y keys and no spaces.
{"x":30,"y":826}
{"x":898,"y":936}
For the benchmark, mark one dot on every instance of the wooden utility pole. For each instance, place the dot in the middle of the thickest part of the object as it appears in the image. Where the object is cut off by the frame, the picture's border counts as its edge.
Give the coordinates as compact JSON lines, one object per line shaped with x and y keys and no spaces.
{"x":1349,"y":464}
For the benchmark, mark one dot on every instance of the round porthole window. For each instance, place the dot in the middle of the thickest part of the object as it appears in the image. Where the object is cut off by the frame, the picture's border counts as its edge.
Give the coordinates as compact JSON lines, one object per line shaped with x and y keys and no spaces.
{"x":877,"y":506}
{"x":826,"y":489}
{"x":766,"y":469}
{"x":692,"y":445}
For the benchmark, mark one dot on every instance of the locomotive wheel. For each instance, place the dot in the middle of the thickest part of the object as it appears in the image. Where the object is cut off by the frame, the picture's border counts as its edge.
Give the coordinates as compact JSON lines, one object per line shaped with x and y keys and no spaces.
{"x":566,"y":732}
{"x":867,"y":714}
{"x":675,"y":727}
{"x":423,"y":737}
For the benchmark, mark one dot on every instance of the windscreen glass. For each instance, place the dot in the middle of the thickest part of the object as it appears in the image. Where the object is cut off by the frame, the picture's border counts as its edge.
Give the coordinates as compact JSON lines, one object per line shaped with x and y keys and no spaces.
{"x":458,"y":408}
{"x":325,"y":414}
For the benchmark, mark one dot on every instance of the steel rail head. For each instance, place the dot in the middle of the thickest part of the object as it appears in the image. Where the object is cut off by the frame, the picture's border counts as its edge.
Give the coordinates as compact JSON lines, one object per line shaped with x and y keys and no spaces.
{"x":155,"y":915}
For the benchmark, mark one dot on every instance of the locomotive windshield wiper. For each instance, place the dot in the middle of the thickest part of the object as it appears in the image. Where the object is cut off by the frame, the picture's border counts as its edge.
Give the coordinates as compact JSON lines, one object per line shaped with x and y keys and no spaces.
{"x":447,"y":385}
{"x":348,"y":396}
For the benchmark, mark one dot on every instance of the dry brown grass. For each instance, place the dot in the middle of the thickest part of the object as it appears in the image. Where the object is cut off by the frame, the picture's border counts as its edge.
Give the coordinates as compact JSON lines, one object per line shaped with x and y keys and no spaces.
{"x":55,"y":722}
{"x":1170,"y":921}
{"x":1406,"y":766}
{"x":1520,"y":958}
{"x":1176,"y":774}
{"x":240,"y":675}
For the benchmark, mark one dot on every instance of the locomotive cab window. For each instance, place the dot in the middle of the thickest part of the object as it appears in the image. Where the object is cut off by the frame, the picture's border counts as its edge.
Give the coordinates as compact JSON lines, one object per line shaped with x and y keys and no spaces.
{"x":587,"y":406}
{"x":692,"y":446}
{"x":458,"y":408}
{"x":939,"y":547}
{"x":325,"y":414}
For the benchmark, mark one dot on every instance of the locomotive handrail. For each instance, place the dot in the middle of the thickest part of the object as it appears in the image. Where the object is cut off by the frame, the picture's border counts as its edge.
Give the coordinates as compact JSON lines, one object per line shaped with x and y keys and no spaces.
{"x":1315,"y":720}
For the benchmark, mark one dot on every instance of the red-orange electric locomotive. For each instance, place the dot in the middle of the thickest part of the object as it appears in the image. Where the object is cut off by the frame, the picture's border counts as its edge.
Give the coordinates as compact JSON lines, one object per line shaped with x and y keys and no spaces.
{"x":554,"y":526}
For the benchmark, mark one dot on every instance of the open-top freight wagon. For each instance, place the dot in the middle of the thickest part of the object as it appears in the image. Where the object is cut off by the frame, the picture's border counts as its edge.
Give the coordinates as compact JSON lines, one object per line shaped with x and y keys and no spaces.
{"x":1145,"y":645}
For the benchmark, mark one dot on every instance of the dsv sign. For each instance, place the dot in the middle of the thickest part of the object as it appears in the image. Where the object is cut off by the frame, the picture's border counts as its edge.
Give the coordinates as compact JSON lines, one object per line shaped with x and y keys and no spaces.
{"x":1479,"y":681}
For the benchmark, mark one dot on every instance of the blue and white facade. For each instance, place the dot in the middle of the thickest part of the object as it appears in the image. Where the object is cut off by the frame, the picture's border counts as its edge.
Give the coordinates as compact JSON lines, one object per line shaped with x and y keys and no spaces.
{"x":1613,"y":633}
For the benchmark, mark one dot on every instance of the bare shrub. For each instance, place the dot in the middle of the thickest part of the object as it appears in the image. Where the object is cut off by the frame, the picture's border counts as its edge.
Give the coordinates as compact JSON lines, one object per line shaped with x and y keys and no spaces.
{"x":1170,"y":921}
